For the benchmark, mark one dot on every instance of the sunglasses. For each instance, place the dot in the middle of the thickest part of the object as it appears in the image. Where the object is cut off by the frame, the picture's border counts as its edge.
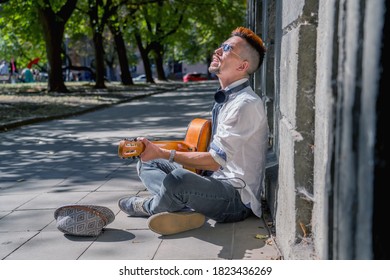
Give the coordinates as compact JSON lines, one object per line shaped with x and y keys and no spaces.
{"x":228,"y":48}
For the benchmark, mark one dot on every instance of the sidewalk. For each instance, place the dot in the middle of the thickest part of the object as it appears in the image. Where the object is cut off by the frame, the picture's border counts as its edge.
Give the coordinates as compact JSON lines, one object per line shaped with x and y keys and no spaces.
{"x":74,"y":160}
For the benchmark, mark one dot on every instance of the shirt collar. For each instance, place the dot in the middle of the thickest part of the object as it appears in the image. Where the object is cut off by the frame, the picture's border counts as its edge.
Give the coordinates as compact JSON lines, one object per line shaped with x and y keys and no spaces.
{"x":236,"y":83}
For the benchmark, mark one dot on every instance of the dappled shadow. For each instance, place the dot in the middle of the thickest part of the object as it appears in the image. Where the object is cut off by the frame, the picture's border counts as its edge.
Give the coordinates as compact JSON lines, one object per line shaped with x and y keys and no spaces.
{"x":79,"y":154}
{"x":53,"y":155}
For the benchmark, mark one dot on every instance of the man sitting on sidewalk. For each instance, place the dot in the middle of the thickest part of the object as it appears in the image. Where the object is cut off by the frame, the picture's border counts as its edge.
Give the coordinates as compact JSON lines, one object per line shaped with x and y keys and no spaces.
{"x":230,"y":190}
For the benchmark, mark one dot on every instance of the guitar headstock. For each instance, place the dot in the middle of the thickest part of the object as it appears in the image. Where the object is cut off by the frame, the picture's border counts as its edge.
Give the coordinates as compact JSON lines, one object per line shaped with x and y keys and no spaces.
{"x":130,"y":148}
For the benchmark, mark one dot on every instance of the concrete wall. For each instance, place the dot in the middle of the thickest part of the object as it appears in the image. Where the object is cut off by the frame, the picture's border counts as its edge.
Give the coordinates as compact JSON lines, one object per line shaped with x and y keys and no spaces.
{"x":326,"y":56}
{"x":296,"y":127}
{"x":323,"y":127}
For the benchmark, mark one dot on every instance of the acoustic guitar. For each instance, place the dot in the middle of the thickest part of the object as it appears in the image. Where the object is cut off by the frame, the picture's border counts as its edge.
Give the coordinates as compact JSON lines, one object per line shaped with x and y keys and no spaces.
{"x":197,"y":139}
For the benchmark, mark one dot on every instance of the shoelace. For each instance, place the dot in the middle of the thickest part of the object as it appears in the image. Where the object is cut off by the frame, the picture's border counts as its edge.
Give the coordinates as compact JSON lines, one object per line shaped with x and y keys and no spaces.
{"x":138,"y":206}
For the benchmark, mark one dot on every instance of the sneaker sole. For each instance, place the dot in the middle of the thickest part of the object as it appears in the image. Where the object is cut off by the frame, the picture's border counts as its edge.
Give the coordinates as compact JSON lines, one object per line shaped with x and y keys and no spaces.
{"x":171,"y":223}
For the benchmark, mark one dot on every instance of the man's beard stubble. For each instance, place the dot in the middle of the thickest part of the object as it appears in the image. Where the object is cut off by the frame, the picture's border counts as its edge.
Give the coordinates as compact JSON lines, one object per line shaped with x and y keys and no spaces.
{"x":214,"y":70}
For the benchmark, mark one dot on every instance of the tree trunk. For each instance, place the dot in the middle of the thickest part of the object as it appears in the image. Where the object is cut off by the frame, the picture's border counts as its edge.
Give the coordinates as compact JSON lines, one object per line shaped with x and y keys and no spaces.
{"x":97,"y":29}
{"x":53,"y":51}
{"x":158,"y":50}
{"x":122,"y":56}
{"x":99,"y":59}
{"x":145,"y":59}
{"x":53,"y":25}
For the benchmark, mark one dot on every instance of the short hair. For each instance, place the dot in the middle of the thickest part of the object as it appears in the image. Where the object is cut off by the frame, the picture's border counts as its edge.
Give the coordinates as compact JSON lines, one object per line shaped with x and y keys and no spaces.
{"x":253,"y":40}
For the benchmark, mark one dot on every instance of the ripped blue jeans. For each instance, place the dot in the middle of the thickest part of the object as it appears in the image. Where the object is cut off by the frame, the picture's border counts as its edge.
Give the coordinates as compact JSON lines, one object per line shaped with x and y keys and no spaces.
{"x":174,"y":188}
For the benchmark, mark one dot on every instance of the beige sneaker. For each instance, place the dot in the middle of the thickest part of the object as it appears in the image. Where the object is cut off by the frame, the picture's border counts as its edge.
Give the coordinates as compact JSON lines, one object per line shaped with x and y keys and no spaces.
{"x":167,"y":223}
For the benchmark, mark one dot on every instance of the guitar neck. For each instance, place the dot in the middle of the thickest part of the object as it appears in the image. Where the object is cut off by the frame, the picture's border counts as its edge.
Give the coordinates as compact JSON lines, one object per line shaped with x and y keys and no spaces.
{"x":197,"y":139}
{"x":177,"y":145}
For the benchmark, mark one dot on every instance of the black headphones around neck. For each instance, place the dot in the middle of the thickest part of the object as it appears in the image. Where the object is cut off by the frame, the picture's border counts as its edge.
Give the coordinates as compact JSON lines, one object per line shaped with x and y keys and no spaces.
{"x":221,"y":96}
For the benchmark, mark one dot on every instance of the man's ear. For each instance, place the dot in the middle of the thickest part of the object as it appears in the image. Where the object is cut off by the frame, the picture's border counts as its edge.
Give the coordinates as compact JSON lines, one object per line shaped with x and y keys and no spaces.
{"x":244,"y":66}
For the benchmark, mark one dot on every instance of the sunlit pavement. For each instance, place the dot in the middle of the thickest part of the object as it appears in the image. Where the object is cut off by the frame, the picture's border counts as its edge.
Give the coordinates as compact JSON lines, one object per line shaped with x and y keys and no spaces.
{"x":74,"y":160}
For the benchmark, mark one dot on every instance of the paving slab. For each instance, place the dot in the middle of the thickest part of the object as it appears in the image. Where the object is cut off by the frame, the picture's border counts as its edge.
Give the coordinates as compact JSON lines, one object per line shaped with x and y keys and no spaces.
{"x":11,"y":242}
{"x":26,"y":220}
{"x":13,"y":201}
{"x":74,"y":160}
{"x":139,"y":244}
{"x":52,"y":246}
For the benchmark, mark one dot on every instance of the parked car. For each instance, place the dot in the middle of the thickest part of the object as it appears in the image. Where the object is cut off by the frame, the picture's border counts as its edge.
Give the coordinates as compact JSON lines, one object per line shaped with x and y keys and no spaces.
{"x":193,"y":77}
{"x":140,"y":78}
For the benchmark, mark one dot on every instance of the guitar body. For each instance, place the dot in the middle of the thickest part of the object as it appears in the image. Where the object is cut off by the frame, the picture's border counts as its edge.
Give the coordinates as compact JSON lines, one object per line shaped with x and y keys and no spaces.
{"x":197,"y":139}
{"x":198,"y":133}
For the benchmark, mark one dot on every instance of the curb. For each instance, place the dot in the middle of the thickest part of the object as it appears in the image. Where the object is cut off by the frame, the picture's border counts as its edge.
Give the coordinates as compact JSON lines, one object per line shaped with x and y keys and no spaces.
{"x":14,"y":125}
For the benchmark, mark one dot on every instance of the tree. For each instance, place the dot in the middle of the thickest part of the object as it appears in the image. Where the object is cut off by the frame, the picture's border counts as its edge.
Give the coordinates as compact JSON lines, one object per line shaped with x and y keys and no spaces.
{"x":116,"y":29}
{"x":53,"y":24}
{"x":208,"y":24}
{"x":98,"y":13}
{"x":91,"y":19}
{"x":21,"y":34}
{"x":34,"y":21}
{"x":163,"y":30}
{"x":103,"y":14}
{"x":188,"y":30}
{"x":144,"y":56}
{"x":157,"y":21}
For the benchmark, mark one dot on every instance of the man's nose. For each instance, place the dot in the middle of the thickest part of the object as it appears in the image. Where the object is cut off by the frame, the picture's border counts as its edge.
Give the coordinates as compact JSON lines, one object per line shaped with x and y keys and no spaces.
{"x":218,"y":51}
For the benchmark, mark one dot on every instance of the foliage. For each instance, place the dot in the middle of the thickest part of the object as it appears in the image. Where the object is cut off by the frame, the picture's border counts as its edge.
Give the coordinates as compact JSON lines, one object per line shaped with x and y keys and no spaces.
{"x":20,"y":33}
{"x":209,"y":24}
{"x":188,"y":30}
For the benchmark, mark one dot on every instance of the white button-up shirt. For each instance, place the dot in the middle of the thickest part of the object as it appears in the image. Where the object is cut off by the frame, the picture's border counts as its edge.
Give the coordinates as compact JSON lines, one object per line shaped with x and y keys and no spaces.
{"x":239,"y":144}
